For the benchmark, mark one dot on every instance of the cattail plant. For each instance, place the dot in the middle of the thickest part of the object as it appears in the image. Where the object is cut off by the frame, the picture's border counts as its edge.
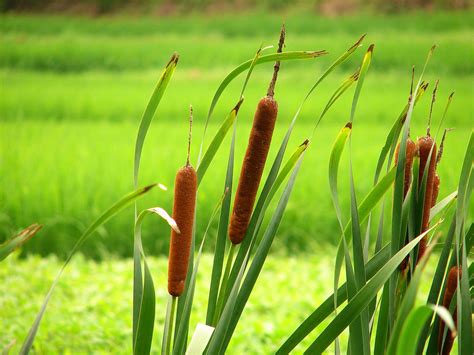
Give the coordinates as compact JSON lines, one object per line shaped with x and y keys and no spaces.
{"x":255,"y":157}
{"x":184,"y":204}
{"x":444,"y":347}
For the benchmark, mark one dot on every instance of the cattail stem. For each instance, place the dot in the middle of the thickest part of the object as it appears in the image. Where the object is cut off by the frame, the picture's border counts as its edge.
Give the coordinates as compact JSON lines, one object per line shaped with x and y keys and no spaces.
{"x":433,"y":99}
{"x":223,"y":288}
{"x":169,"y":325}
{"x":276,"y":67}
{"x":190,"y":133}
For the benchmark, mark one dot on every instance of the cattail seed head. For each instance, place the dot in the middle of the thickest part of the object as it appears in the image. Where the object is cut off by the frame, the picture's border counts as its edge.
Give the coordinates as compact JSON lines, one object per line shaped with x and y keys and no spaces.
{"x":451,"y":285}
{"x":426,"y":149}
{"x":183,"y":213}
{"x":252,"y":167}
{"x":410,"y":153}
{"x":436,"y":183}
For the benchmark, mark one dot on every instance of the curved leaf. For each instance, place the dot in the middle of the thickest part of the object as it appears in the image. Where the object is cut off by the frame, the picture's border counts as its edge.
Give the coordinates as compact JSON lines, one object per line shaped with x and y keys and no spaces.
{"x":112,"y":211}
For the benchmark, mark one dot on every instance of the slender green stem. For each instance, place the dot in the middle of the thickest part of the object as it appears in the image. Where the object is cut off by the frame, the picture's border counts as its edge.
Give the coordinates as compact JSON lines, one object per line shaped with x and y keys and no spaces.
{"x":169,"y":322}
{"x":223,"y":288}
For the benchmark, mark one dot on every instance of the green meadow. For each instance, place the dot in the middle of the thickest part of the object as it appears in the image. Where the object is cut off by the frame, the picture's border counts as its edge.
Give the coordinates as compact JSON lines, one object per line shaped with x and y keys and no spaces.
{"x":73,"y":90}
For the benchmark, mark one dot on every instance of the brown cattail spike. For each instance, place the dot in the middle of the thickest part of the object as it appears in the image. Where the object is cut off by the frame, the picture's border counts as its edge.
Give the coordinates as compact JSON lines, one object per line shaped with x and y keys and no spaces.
{"x":427,"y":149}
{"x":184,"y":205}
{"x":436,"y":183}
{"x":276,"y":67}
{"x":252,"y":167}
{"x":410,"y":153}
{"x":454,"y":274}
{"x":255,"y":158}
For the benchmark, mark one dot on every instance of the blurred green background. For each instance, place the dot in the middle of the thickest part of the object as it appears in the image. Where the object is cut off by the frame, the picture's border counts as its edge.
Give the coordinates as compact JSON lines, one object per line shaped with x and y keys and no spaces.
{"x":74,"y":84}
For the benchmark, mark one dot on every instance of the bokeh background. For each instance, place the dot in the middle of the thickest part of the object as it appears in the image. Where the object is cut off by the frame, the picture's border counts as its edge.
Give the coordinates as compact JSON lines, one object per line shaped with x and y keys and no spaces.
{"x":75,"y":78}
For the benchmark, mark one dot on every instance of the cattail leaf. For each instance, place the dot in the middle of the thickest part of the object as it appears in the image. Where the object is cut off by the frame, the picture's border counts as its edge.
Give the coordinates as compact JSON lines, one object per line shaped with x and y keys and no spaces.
{"x":334,"y":159}
{"x":413,"y":327}
{"x":327,"y":307}
{"x":261,"y":59}
{"x":18,"y":240}
{"x":144,"y":303}
{"x":437,"y":287}
{"x":181,"y":334}
{"x":362,"y":298}
{"x":271,"y":186}
{"x":435,"y":290}
{"x":463,"y":296}
{"x":104,"y":217}
{"x":200,"y":339}
{"x":146,"y":318}
{"x":217,"y":141}
{"x":362,"y":73}
{"x":234,"y":309}
{"x":346,"y":84}
{"x":145,"y":122}
{"x":150,"y":111}
{"x":441,"y":205}
{"x":368,"y":204}
{"x":408,"y":303}
{"x":359,"y":337}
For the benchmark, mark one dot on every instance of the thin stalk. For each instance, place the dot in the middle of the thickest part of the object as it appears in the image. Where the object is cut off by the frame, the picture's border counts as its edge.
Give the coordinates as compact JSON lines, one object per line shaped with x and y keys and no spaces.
{"x":223,"y":288}
{"x":169,"y":322}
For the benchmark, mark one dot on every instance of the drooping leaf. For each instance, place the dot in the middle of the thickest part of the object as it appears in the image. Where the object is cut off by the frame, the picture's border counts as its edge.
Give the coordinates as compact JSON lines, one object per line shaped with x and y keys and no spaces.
{"x":18,"y":240}
{"x":104,"y":217}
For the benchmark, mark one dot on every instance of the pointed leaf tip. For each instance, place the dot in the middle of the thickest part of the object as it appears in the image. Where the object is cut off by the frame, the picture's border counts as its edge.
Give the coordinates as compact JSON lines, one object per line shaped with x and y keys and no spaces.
{"x":237,"y":107}
{"x":163,"y":214}
{"x":173,"y":60}
{"x":148,"y":188}
{"x":357,"y":44}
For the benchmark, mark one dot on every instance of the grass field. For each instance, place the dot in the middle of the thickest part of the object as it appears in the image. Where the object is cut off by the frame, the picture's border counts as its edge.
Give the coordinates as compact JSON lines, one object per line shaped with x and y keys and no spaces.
{"x":91,"y":308}
{"x":74,"y":89}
